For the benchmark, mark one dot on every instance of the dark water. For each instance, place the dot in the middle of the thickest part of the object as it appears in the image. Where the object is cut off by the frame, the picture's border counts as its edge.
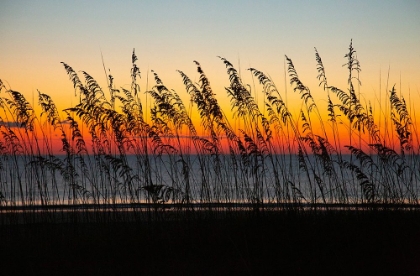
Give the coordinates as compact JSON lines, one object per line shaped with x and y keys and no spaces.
{"x":193,"y":178}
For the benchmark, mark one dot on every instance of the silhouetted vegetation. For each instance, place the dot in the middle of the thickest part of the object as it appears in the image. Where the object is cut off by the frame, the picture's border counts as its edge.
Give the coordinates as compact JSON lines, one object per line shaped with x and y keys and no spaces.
{"x":115,"y":157}
{"x":170,"y":187}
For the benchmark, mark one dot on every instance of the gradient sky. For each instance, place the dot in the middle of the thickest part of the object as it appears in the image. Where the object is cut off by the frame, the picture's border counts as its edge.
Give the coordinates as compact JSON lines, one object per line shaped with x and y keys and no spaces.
{"x":168,"y":35}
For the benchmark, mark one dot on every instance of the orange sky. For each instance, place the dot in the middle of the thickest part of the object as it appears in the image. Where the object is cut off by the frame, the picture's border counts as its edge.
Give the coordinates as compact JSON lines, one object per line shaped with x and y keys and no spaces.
{"x":170,"y":36}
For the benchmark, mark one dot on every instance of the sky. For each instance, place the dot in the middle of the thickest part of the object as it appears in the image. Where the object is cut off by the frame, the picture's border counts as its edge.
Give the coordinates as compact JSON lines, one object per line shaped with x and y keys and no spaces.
{"x":169,"y":35}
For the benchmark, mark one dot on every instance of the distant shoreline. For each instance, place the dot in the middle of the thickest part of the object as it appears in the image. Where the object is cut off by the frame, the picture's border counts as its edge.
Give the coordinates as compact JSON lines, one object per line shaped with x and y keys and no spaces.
{"x":215,"y":206}
{"x":145,"y":213}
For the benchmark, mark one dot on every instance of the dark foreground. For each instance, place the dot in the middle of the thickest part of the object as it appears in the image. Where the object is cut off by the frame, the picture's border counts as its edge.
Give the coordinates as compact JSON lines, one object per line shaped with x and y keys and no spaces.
{"x":235,"y":243}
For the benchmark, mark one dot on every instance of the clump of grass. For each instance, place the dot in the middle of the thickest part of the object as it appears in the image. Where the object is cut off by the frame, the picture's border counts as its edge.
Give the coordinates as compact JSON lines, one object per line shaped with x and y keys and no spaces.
{"x":114,"y":156}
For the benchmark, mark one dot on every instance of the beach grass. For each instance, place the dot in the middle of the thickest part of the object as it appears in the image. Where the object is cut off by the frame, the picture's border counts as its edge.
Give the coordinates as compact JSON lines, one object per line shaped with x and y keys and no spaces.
{"x":144,"y":189}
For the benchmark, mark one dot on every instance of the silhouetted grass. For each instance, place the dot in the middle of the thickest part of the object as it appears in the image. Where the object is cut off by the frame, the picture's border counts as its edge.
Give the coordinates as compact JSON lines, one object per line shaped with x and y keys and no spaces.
{"x":114,"y":156}
{"x":151,"y":192}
